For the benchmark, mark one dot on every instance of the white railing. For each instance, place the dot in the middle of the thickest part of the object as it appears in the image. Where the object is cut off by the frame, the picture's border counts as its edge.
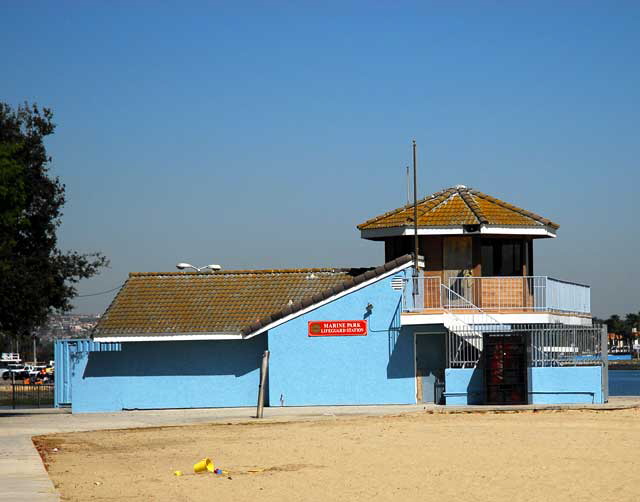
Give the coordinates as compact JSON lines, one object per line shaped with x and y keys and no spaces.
{"x":465,"y":335}
{"x":421,"y":293}
{"x":529,"y":293}
{"x":568,"y":296}
{"x":502,"y":293}
{"x":549,"y":344}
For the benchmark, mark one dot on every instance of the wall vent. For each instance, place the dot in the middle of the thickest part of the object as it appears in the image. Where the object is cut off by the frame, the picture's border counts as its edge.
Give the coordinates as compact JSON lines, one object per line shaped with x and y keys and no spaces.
{"x":397,"y":283}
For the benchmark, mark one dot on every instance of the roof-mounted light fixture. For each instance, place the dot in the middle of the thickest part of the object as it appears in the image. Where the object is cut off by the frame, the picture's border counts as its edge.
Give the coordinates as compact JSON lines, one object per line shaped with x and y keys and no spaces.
{"x":182,"y":266}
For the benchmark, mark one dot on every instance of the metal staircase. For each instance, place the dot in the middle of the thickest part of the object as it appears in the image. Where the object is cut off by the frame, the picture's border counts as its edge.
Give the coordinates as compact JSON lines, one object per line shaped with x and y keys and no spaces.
{"x":464,"y":348}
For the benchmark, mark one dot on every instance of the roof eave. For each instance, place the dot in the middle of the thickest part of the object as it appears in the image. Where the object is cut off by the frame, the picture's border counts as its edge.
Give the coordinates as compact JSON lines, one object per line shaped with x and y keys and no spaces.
{"x":537,"y":231}
{"x":318,"y":300}
{"x":468,"y":195}
{"x":166,"y":337}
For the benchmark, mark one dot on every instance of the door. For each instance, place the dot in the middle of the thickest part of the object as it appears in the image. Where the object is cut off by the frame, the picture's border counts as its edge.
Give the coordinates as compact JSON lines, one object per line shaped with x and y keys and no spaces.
{"x":458,"y":262}
{"x":430,"y":364}
{"x":505,"y":364}
{"x":63,"y":352}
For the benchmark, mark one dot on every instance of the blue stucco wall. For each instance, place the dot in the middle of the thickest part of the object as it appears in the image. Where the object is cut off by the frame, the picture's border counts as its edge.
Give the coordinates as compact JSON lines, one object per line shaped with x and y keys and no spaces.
{"x":464,"y":386}
{"x":153,"y":375}
{"x":342,"y":370}
{"x":64,"y":352}
{"x":568,"y":384}
{"x":551,"y":385}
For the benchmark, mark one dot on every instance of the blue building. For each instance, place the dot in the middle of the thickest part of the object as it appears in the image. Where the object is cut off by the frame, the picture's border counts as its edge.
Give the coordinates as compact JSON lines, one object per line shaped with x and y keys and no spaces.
{"x":468,"y":324}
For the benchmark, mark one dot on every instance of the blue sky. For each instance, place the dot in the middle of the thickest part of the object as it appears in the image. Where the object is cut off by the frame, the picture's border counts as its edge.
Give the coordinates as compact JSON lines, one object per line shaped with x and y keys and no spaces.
{"x":259,"y":135}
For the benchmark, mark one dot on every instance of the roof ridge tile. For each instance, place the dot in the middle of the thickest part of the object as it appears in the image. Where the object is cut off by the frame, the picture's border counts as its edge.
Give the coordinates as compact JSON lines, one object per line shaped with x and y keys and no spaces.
{"x":516,"y":209}
{"x":399,"y":209}
{"x":442,"y":199}
{"x":245,"y":272}
{"x":491,"y":212}
{"x":156,"y":304}
{"x":328,"y":293}
{"x":473,"y":206}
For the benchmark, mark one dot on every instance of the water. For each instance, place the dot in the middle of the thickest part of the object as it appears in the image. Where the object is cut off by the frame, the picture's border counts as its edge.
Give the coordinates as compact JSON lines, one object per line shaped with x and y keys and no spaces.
{"x":624,"y":383}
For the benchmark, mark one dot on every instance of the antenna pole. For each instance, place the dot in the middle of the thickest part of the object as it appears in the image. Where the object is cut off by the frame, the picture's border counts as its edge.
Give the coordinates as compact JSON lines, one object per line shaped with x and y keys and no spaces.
{"x":415,"y":210}
{"x":408,"y":187}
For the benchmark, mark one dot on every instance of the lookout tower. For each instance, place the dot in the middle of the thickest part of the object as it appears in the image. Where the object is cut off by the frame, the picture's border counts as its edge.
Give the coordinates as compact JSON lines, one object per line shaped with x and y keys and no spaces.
{"x":463,"y":233}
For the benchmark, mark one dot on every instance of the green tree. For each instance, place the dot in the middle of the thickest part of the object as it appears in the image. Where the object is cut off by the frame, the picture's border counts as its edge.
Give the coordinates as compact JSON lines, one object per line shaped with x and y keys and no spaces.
{"x":36,"y":277}
{"x":615,"y":324}
{"x":631,"y":321}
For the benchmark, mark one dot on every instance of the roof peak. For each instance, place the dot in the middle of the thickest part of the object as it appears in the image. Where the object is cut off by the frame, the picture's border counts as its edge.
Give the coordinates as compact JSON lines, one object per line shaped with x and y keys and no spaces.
{"x":440,"y":209}
{"x":249,"y":272}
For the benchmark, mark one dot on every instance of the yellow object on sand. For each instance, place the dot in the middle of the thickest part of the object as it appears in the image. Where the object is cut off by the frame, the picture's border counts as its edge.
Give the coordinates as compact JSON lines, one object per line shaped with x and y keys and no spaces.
{"x":177,"y":473}
{"x":204,"y":465}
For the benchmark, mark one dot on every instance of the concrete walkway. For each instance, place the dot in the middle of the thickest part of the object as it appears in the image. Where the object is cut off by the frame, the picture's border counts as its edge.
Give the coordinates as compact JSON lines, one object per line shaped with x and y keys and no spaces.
{"x":24,"y":478}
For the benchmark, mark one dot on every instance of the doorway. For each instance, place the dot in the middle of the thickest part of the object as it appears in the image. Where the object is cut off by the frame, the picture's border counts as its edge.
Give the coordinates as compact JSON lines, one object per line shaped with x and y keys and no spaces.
{"x":430,"y":365}
{"x":458,"y":264}
{"x":505,"y":366}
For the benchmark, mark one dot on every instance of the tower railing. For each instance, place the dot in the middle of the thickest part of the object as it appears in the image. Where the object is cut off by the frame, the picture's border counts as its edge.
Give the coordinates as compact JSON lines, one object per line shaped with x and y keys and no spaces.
{"x":497,"y":294}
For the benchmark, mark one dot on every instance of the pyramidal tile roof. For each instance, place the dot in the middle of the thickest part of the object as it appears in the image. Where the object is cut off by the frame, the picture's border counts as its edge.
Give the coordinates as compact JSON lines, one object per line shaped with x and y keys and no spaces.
{"x":229,"y":302}
{"x":459,"y":206}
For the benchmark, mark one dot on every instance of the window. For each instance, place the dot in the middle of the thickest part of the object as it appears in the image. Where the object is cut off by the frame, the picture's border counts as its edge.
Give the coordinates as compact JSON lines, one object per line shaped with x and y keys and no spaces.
{"x":488,"y":269}
{"x":502,"y":257}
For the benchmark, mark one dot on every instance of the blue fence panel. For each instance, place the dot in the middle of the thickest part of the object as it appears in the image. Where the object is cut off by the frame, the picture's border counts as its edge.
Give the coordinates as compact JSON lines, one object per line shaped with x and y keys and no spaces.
{"x":64,"y":351}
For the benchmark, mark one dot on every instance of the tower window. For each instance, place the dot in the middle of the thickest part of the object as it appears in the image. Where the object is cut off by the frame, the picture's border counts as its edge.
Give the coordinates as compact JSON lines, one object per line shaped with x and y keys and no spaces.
{"x":502,"y":257}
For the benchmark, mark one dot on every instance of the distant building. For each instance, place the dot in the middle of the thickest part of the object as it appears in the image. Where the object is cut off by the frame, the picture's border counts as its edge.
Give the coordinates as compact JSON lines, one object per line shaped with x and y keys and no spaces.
{"x":67,"y":326}
{"x":615,"y":340}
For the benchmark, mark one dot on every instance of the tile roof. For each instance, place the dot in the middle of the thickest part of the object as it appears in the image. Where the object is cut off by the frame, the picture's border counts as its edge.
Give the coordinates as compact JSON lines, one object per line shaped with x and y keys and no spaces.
{"x":240,"y":301}
{"x":459,"y":205}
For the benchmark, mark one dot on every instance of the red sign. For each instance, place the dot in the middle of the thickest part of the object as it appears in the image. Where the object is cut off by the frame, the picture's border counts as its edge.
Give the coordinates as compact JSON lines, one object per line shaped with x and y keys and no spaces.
{"x":337,"y":328}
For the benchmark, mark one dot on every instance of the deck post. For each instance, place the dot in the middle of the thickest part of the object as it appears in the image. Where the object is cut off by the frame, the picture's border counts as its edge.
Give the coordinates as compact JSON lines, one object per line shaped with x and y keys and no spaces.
{"x":604,"y":352}
{"x":264,"y":367}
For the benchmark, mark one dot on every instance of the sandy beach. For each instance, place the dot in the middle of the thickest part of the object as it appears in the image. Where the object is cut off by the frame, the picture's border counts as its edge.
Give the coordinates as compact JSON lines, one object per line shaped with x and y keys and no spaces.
{"x":550,"y":456}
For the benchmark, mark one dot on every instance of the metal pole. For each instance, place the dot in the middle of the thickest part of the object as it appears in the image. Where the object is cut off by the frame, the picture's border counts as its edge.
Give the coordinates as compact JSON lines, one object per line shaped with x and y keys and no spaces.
{"x":415,"y":209}
{"x":604,"y":356}
{"x":408,"y":187}
{"x":34,"y":351}
{"x":264,"y":367}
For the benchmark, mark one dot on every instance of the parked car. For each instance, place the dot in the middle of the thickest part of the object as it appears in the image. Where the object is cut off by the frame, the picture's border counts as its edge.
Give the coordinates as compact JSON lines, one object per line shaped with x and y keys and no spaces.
{"x":20,"y":372}
{"x":6,"y":365}
{"x":15,"y":371}
{"x":35,"y":370}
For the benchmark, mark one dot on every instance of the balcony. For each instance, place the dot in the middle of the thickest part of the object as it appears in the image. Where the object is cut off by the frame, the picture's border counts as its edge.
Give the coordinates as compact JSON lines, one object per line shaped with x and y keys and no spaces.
{"x":498,"y":295}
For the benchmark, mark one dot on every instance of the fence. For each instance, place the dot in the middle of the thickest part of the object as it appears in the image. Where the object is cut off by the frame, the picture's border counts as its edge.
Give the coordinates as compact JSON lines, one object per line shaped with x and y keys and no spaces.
{"x":422,"y":293}
{"x":501,"y":293}
{"x":547,"y":344}
{"x":568,"y":296}
{"x":537,"y":293}
{"x":464,"y":347}
{"x":564,"y":345}
{"x":18,"y":394}
{"x":528,"y":294}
